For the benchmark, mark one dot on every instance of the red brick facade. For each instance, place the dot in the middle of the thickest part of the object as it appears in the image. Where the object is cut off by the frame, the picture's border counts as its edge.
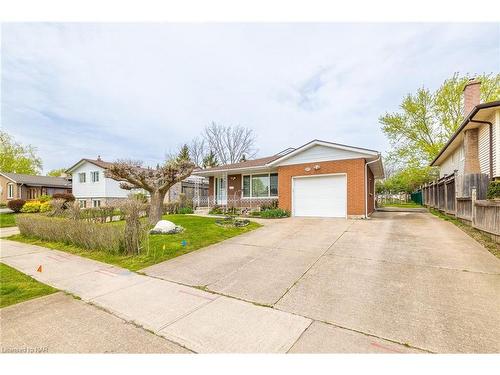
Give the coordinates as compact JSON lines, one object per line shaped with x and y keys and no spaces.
{"x":354,"y":168}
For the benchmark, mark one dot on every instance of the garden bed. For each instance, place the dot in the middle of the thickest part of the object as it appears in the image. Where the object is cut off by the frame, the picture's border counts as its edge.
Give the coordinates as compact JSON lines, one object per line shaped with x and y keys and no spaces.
{"x":199,"y":232}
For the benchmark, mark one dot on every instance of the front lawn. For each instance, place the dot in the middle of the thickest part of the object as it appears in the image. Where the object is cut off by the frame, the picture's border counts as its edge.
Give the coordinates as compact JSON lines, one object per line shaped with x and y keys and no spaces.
{"x":403,"y":205}
{"x":199,"y":232}
{"x":17,"y":287}
{"x":7,"y":220}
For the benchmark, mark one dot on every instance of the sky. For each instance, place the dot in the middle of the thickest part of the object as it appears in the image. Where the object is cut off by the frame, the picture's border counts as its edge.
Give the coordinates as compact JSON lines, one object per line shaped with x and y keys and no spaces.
{"x":138,"y":91}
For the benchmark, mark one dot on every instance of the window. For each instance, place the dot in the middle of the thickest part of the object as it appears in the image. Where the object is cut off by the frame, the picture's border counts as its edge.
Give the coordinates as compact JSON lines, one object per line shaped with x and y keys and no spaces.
{"x":96,"y":203}
{"x":246,"y":186}
{"x":94,"y":176}
{"x":10,"y":191}
{"x":81,"y":177}
{"x":260,"y":185}
{"x":83,"y":203}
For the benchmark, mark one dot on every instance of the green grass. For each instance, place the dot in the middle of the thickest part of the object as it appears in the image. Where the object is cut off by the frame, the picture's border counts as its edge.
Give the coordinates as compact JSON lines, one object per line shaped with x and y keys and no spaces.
{"x":7,"y":220}
{"x":479,"y":236}
{"x":403,"y":205}
{"x":17,"y":287}
{"x":199,"y":232}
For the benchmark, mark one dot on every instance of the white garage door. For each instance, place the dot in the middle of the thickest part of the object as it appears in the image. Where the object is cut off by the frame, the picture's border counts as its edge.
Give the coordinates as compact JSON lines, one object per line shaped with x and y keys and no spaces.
{"x":323,"y":196}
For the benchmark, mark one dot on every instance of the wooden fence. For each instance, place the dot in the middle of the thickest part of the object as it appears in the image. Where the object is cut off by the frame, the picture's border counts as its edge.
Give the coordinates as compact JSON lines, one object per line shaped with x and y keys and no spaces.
{"x":464,"y":196}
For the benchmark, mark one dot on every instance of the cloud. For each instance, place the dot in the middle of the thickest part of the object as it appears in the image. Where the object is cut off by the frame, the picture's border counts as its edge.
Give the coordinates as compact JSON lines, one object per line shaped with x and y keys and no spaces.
{"x":138,"y":90}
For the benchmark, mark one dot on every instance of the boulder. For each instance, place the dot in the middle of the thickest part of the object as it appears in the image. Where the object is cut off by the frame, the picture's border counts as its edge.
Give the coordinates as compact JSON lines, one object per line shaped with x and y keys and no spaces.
{"x":164,"y":227}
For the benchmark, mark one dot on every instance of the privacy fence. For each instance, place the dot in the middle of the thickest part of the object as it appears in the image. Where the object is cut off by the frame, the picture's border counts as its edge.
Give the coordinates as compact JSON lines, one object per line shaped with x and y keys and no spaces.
{"x":464,"y":196}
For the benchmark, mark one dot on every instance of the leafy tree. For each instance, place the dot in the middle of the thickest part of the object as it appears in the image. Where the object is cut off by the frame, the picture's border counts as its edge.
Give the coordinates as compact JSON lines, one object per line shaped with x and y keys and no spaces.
{"x":17,"y":158}
{"x":156,"y":181}
{"x":427,"y":119}
{"x":210,"y":160}
{"x":57,"y":172}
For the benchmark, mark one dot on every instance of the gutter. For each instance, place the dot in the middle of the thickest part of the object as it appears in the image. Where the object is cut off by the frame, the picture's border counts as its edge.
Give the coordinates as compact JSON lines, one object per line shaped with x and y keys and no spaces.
{"x":464,"y":123}
{"x":366,"y":183}
{"x":490,"y":141}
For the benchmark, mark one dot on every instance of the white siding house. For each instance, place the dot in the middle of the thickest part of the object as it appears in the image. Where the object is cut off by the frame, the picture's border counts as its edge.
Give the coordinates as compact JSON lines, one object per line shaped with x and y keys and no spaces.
{"x":91,"y":187}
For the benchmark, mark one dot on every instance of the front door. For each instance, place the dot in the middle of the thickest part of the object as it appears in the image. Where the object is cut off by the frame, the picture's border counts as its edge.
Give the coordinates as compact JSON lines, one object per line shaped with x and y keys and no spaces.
{"x":220,"y":190}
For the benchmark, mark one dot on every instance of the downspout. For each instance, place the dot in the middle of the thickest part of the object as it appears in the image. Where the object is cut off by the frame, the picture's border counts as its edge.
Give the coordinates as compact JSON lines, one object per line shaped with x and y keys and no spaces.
{"x":491,"y":143}
{"x":366,"y":183}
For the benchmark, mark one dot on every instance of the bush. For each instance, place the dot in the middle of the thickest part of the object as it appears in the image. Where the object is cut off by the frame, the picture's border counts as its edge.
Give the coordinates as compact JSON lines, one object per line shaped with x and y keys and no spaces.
{"x":97,"y":214}
{"x":136,"y":233}
{"x":46,"y":207}
{"x":185,"y":210}
{"x":274,"y":213}
{"x":171,"y":208}
{"x":44,"y":198}
{"x":216,"y":210}
{"x":16,"y":204}
{"x":31,"y":207}
{"x":493,"y":190}
{"x":81,"y":233}
{"x":269,"y":205}
{"x":68,"y":197}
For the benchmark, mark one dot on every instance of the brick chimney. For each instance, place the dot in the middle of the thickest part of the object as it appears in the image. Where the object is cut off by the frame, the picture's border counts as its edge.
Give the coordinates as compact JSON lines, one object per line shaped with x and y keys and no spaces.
{"x":472,"y":98}
{"x":472,"y":95}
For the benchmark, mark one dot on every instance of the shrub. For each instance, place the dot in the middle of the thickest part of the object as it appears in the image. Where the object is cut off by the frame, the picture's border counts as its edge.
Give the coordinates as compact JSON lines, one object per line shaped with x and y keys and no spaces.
{"x":170,"y":208}
{"x":46,"y":207}
{"x":185,"y":210}
{"x":136,"y":233}
{"x":44,"y":198}
{"x":68,"y":197}
{"x":274,"y":213}
{"x":493,"y":190}
{"x":81,"y":233}
{"x":58,"y":207}
{"x":269,"y":205}
{"x":216,"y":210}
{"x":97,"y":214}
{"x":141,"y":197}
{"x":31,"y":207}
{"x":16,"y":204}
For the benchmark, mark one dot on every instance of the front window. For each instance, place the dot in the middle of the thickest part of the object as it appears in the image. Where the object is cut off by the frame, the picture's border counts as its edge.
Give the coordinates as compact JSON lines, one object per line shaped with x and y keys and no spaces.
{"x":94,"y":176}
{"x":260,"y":185}
{"x":10,"y":191}
{"x":96,"y":203}
{"x":81,"y":177}
{"x":83,"y":203}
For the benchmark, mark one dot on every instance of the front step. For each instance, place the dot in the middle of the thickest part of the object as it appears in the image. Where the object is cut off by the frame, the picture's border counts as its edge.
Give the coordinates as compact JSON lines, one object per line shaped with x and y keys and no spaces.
{"x":201,"y":211}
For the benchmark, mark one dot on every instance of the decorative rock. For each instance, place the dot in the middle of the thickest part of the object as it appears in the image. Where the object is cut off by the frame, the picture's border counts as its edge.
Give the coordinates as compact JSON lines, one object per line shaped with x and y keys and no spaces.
{"x":166,"y":227}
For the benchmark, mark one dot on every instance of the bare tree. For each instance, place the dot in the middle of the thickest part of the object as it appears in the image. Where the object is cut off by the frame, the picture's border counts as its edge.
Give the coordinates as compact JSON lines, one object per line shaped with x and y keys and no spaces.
{"x":197,"y":151}
{"x":230,"y":143}
{"x":156,"y":181}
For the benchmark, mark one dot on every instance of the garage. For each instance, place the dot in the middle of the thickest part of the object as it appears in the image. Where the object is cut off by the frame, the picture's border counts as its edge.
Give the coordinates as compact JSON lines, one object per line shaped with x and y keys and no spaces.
{"x":320,"y":196}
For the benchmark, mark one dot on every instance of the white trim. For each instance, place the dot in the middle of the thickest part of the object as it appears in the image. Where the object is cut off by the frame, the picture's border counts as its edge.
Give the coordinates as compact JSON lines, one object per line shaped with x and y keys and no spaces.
{"x":8,"y":178}
{"x":307,"y":146}
{"x":9,"y":185}
{"x":318,"y":175}
{"x":211,"y":171}
{"x":269,"y":196}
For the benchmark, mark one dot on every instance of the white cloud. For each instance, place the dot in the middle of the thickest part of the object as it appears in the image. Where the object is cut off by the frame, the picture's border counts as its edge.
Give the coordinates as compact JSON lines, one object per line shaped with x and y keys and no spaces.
{"x":137,"y":90}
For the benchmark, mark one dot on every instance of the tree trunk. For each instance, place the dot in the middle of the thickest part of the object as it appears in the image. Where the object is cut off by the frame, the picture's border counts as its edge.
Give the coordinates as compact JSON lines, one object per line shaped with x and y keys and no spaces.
{"x":156,"y":209}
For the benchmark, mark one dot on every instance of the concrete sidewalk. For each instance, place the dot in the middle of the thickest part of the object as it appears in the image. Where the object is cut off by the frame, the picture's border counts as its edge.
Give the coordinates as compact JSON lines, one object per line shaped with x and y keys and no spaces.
{"x":200,"y":321}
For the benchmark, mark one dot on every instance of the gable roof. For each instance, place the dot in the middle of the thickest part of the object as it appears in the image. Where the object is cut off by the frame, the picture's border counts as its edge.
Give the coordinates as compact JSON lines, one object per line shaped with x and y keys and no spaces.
{"x":274,"y":160}
{"x":467,"y":120}
{"x":37,"y":180}
{"x":98,"y":162}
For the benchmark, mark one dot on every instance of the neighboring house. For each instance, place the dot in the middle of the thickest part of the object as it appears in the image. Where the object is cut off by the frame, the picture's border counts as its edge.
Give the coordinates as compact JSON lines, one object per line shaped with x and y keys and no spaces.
{"x":320,"y":179}
{"x":475,"y":147}
{"x":92,"y":188}
{"x":28,"y":187}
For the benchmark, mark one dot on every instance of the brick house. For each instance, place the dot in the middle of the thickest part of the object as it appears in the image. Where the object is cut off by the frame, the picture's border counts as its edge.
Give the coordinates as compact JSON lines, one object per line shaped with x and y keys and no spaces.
{"x":28,"y":187}
{"x":321,"y":179}
{"x":475,"y":147}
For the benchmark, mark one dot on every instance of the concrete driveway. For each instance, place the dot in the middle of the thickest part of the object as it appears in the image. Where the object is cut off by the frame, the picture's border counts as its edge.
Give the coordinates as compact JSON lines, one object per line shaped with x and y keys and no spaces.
{"x":396,"y":283}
